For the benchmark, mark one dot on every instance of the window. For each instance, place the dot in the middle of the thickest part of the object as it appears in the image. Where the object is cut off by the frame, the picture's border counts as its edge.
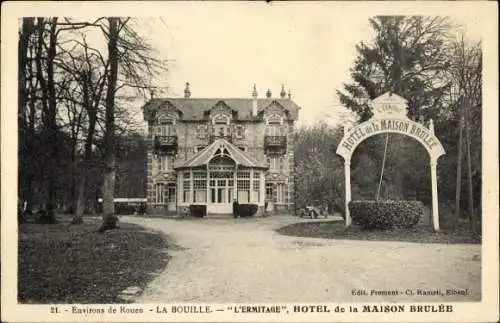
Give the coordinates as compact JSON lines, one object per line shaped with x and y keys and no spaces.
{"x":221,"y":125}
{"x":273,"y":163}
{"x":280,"y":193}
{"x":256,"y":191}
{"x":200,"y":190}
{"x":275,"y":130}
{"x":243,"y":190}
{"x":159,"y":189}
{"x":165,"y":163}
{"x":186,"y":187}
{"x":243,"y":174}
{"x":240,"y":132}
{"x":166,"y":127}
{"x":200,"y":174}
{"x":269,"y":192}
{"x":274,"y":126}
{"x":170,"y":192}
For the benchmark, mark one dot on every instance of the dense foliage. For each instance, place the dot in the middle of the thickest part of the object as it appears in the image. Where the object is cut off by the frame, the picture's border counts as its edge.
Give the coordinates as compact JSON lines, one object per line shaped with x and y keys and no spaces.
{"x":383,"y":215}
{"x":320,"y":172}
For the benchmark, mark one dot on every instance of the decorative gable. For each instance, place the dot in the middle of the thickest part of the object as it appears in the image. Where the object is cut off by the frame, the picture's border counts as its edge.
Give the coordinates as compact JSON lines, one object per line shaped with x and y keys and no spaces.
{"x":167,"y":115}
{"x":275,"y":110}
{"x":168,"y":110}
{"x":221,"y":110}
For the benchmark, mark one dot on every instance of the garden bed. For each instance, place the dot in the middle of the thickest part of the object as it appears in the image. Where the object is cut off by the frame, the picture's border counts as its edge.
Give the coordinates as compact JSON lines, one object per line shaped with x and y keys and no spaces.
{"x":64,"y":263}
{"x":338,"y":230}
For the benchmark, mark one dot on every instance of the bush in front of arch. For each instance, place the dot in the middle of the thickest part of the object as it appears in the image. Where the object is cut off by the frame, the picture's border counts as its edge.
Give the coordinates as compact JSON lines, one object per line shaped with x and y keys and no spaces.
{"x":386,"y":215}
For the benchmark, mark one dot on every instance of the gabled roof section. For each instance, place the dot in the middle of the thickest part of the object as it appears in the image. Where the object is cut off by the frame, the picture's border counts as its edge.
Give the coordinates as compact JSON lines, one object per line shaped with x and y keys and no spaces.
{"x":194,"y":109}
{"x":150,"y":109}
{"x":221,"y":147}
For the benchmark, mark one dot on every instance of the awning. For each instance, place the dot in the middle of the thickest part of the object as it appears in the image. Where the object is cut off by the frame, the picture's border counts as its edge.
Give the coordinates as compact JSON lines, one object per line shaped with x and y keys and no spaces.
{"x":222,"y":147}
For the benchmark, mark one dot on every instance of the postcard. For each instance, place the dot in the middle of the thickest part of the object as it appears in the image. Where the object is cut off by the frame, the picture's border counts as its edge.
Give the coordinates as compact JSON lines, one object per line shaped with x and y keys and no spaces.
{"x":249,"y":161}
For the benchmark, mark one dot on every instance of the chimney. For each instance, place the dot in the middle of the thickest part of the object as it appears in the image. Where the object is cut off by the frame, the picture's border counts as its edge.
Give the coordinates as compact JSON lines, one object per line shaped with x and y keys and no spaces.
{"x":187,"y":92}
{"x":268,"y":93}
{"x":254,"y":101}
{"x":282,"y":93}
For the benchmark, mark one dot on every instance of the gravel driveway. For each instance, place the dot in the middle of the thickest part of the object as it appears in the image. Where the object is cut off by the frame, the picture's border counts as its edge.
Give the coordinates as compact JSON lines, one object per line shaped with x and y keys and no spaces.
{"x":244,"y":260}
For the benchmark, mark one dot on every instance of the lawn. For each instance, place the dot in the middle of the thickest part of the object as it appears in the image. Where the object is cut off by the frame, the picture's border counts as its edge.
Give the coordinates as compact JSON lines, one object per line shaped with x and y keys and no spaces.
{"x":337,"y":230}
{"x":64,"y":263}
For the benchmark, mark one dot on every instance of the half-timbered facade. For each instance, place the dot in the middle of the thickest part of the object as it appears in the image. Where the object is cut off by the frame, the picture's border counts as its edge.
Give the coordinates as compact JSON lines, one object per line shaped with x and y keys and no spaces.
{"x":212,"y":151}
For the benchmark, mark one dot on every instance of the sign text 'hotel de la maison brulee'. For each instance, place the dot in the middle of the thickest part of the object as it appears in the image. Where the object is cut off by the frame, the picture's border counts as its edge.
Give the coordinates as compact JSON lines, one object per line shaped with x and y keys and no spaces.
{"x":390,"y":116}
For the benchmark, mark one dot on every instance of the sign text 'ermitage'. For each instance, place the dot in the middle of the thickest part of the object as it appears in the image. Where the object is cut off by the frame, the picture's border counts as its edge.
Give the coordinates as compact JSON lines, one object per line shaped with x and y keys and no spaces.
{"x":375,"y":126}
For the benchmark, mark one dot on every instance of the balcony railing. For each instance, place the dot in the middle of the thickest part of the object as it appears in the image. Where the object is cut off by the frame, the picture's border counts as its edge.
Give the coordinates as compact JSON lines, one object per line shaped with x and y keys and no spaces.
{"x":274,"y":142}
{"x":165,"y":143}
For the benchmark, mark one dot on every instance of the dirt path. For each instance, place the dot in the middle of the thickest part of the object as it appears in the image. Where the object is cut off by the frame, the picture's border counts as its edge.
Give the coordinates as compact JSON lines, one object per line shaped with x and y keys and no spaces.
{"x":245,"y":260}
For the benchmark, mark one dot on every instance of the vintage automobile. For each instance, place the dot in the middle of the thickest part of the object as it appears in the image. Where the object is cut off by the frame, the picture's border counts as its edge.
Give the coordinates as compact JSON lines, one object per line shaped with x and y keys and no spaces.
{"x":312,"y":211}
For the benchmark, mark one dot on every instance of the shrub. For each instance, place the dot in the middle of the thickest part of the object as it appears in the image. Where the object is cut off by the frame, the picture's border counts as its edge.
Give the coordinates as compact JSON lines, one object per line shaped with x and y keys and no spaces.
{"x":45,"y":217}
{"x":109,"y":222}
{"x":245,"y":210}
{"x":124,"y":209}
{"x":385,"y":214}
{"x":198,"y":210}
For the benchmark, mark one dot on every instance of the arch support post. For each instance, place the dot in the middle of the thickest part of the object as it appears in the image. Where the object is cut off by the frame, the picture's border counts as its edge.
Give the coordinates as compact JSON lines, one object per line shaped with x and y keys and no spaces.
{"x":347,"y":171}
{"x":435,"y":204}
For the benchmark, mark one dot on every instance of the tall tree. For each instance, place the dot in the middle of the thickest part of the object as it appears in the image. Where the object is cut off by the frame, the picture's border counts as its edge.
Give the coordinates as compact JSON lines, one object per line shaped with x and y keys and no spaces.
{"x":108,"y":188}
{"x":407,"y":57}
{"x":27,"y":29}
{"x":466,"y":77}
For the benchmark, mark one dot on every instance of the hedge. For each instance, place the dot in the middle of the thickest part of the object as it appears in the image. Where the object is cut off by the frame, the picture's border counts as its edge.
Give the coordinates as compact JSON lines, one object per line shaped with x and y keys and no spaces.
{"x":124,"y":209}
{"x":385,"y":215}
{"x":246,"y":210}
{"x":198,"y":210}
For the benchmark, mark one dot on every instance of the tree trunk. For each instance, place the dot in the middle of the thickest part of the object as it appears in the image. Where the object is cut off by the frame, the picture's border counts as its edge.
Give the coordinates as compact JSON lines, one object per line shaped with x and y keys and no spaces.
{"x":469,"y":169}
{"x":459,"y":167}
{"x":109,"y":218}
{"x":52,"y":125}
{"x":87,"y":157}
{"x":23,"y":151}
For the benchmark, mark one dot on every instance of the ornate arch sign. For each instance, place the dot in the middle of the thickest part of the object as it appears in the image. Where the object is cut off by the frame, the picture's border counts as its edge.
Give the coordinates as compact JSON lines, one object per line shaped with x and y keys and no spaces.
{"x":390,"y":116}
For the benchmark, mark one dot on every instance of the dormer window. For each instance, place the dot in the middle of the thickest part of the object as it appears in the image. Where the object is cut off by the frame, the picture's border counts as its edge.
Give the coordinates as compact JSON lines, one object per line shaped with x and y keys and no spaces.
{"x":221,"y":125}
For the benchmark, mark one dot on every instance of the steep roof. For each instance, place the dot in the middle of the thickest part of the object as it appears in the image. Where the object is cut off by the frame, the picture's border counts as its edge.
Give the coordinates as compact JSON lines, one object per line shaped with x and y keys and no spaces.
{"x":194,"y":109}
{"x":221,"y":147}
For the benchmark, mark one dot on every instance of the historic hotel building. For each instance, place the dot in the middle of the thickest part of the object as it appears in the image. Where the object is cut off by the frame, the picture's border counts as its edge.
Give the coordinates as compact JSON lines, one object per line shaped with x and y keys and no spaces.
{"x":211,"y":151}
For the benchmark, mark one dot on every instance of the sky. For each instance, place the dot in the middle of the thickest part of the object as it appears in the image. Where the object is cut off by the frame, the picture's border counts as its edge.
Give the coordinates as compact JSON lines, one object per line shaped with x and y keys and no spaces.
{"x":223,"y":53}
{"x":222,"y":50}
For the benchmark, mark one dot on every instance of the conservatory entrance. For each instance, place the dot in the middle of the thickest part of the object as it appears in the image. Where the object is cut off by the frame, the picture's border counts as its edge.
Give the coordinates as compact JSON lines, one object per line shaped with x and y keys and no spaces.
{"x":219,"y":174}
